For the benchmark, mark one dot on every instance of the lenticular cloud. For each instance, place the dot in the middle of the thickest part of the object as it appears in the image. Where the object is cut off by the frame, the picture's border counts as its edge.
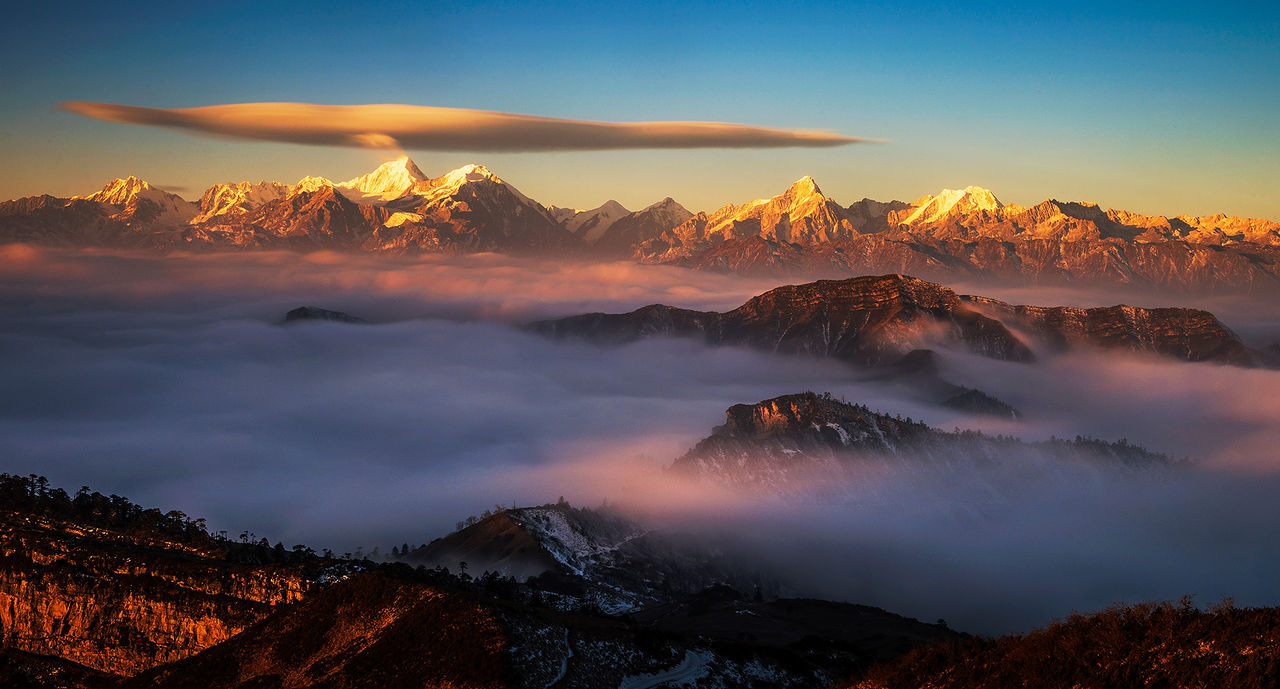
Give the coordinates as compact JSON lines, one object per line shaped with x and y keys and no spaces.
{"x":447,"y":129}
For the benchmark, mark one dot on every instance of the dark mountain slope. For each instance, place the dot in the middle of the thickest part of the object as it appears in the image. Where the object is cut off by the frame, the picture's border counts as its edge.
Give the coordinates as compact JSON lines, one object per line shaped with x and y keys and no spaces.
{"x":1150,"y":645}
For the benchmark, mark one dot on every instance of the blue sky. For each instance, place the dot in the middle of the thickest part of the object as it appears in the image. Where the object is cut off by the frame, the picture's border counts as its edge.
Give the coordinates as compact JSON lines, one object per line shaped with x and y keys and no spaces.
{"x":1168,"y":108}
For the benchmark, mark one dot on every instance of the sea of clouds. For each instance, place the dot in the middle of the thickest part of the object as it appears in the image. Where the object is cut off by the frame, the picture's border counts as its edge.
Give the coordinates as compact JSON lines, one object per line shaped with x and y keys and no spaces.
{"x":173,"y":381}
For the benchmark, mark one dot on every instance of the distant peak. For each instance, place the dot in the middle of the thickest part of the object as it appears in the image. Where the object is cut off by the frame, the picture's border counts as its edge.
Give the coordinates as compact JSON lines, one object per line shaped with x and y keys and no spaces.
{"x":981,"y":195}
{"x":130,"y":182}
{"x":474,"y":169}
{"x":668,"y":202}
{"x":119,"y":190}
{"x":947,"y":201}
{"x":391,"y":178}
{"x":311,"y":183}
{"x":805,"y":186}
{"x":473,"y":172}
{"x":406,"y":164}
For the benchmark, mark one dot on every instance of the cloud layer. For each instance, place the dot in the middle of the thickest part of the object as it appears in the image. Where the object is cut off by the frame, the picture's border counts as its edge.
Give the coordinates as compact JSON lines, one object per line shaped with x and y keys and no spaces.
{"x":419,"y":127}
{"x":171,"y":381}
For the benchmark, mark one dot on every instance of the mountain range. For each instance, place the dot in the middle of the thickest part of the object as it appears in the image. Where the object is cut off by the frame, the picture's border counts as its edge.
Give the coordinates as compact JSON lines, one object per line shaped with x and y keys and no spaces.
{"x":396,"y":208}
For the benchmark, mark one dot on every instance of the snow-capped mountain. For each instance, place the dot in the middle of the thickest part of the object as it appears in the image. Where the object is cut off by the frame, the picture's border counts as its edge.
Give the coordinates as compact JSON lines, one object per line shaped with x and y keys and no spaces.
{"x":619,"y":238}
{"x":239,"y":197}
{"x":956,"y":233}
{"x":466,"y":210}
{"x":800,"y":215}
{"x":591,"y":224}
{"x":389,"y":181}
{"x":138,"y":203}
{"x":950,"y":202}
{"x":310,"y":183}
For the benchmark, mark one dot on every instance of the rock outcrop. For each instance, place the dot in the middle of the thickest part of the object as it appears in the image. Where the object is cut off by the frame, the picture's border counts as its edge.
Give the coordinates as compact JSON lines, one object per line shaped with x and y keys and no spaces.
{"x":115,"y":603}
{"x":814,"y":442}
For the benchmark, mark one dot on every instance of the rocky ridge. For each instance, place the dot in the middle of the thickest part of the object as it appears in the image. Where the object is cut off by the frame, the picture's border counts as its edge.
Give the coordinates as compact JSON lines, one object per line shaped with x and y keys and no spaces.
{"x":876,"y":320}
{"x":815,"y":442}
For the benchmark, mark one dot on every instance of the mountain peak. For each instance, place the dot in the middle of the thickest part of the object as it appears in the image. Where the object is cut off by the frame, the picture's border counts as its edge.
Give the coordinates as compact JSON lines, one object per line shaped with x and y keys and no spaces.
{"x":473,"y":172}
{"x":592,"y":224}
{"x":391,"y":179}
{"x":310,"y":183}
{"x":666,"y":203}
{"x":947,"y":201}
{"x":119,"y":190}
{"x":805,"y":186}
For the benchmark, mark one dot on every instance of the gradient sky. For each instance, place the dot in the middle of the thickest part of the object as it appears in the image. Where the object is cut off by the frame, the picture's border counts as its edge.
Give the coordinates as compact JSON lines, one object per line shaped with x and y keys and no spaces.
{"x":1162,"y":108}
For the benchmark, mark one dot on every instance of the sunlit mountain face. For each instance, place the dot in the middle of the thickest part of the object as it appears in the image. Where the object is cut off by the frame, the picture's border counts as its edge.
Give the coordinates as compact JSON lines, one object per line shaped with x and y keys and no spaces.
{"x":630,"y":346}
{"x":966,"y":235}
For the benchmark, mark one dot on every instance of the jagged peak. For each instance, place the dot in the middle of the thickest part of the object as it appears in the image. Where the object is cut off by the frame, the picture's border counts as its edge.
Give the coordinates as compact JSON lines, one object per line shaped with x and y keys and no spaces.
{"x":472,"y":172}
{"x":122,"y":191}
{"x":805,"y":186}
{"x":455,"y":180}
{"x":118,"y":190}
{"x":970,"y":198}
{"x":311,"y":183}
{"x":390,"y":179}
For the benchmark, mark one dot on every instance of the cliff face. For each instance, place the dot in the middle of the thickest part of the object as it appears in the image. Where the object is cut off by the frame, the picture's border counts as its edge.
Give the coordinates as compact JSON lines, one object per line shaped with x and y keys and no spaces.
{"x":866,"y":320}
{"x":1189,"y":334}
{"x":119,"y":605}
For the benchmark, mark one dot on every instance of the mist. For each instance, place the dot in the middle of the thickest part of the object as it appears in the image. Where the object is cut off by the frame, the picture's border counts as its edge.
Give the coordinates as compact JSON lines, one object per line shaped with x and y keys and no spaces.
{"x":172,"y":381}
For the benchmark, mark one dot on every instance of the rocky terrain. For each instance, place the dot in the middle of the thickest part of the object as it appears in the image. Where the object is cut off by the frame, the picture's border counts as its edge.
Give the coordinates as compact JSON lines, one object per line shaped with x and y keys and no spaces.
{"x":966,"y":233}
{"x":596,"y":557}
{"x":1148,"y":645}
{"x":876,"y":320}
{"x":97,"y":592}
{"x":806,"y":442}
{"x":99,"y":582}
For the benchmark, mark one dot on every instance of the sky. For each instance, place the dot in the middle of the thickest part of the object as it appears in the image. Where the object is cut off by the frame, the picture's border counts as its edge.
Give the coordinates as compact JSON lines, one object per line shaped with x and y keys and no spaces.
{"x":1165,"y":108}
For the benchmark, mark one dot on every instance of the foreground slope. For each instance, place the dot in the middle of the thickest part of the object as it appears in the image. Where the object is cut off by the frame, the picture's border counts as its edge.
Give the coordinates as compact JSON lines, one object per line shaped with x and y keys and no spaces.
{"x":101,"y":582}
{"x":100,"y":593}
{"x":1150,"y":645}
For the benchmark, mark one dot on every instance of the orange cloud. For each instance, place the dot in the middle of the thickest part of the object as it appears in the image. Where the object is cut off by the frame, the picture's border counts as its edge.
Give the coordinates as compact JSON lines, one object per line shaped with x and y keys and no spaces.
{"x":447,"y":129}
